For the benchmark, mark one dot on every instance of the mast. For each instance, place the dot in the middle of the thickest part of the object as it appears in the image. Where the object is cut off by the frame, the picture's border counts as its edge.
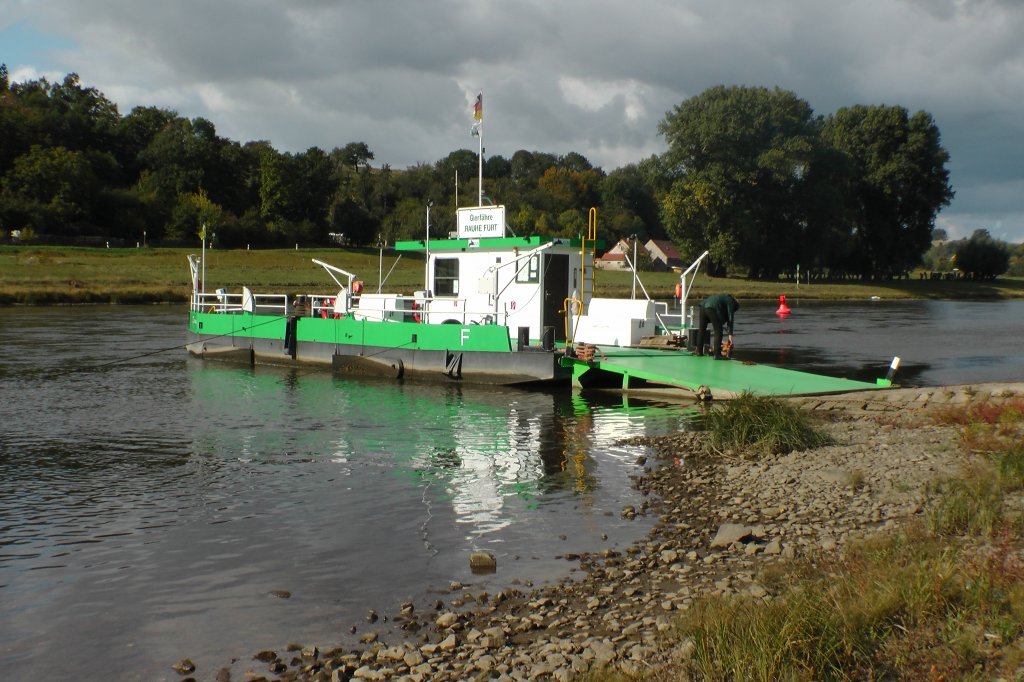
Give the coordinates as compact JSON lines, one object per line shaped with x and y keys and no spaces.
{"x":480,"y":167}
{"x":478,"y":130}
{"x":203,"y":235}
{"x":426,"y":263}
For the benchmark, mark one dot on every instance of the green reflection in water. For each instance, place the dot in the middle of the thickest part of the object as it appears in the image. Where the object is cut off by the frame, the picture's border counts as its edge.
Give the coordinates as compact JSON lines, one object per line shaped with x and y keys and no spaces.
{"x":478,"y":448}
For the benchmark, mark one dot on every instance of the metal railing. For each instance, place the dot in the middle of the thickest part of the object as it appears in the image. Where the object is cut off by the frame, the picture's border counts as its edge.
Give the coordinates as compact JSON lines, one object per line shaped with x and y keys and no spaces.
{"x":403,"y":308}
{"x":224,"y":302}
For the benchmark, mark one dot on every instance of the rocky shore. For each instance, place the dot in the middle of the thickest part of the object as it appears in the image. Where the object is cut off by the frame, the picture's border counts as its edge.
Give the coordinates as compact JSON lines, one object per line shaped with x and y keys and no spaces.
{"x":722,"y":523}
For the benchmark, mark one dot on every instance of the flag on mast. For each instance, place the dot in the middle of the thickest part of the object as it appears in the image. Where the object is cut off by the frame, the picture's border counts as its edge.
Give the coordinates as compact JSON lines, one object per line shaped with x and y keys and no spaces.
{"x":478,"y":114}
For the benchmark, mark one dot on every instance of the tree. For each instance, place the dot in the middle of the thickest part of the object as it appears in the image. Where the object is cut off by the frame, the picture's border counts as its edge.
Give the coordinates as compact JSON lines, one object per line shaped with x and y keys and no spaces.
{"x":528,"y":167}
{"x":319,"y":183}
{"x":350,"y":218}
{"x":185,"y":156}
{"x":194,"y":218}
{"x":739,"y":157}
{"x":463,"y":162}
{"x":572,"y":223}
{"x":575,"y":162}
{"x":567,"y":189}
{"x":982,"y":257}
{"x":406,"y":221}
{"x":296,"y":193}
{"x":136,"y":131}
{"x":898,"y":184}
{"x":941,"y":257}
{"x":630,"y":206}
{"x":18,"y":124}
{"x":50,"y":190}
{"x":354,"y":155}
{"x":497,"y":167}
{"x":422,"y":182}
{"x":71,"y":116}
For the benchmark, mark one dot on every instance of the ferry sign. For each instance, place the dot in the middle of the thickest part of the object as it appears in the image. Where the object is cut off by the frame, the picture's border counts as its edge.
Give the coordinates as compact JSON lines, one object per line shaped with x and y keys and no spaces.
{"x":481,"y":221}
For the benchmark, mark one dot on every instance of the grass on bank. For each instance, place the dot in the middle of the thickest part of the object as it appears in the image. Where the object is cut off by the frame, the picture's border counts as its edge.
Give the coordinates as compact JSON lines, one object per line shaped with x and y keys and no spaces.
{"x":941,"y":599}
{"x":45,"y":275}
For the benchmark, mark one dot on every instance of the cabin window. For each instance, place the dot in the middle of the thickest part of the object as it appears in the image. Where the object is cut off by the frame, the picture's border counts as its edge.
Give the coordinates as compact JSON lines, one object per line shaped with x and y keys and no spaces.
{"x":528,"y":270}
{"x":446,"y":277}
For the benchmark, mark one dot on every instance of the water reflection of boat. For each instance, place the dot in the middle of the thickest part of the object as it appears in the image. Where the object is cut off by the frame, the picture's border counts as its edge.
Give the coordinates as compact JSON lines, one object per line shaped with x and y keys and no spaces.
{"x":490,"y":453}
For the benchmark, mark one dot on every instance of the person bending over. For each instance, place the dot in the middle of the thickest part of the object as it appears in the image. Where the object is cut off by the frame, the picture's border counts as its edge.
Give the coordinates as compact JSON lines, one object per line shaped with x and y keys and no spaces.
{"x":720,"y":311}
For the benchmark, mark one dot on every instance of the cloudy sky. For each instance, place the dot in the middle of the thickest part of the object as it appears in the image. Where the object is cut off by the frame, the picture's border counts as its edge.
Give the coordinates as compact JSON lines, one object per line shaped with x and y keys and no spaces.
{"x":590,"y":76}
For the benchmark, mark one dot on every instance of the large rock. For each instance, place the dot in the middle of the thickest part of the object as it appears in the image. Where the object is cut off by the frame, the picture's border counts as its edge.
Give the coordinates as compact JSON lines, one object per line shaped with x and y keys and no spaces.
{"x":446,"y":619}
{"x":729,"y":533}
{"x":493,"y":638}
{"x":603,"y":652}
{"x":483,"y":562}
{"x":184,"y":667}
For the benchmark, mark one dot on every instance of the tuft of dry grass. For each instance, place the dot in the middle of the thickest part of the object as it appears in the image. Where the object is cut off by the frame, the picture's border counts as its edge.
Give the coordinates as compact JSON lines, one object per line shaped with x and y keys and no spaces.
{"x":758,"y":425}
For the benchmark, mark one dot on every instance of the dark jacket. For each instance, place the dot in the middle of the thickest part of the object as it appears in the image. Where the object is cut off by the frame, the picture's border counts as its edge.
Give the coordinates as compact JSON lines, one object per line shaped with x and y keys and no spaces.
{"x":725,"y":306}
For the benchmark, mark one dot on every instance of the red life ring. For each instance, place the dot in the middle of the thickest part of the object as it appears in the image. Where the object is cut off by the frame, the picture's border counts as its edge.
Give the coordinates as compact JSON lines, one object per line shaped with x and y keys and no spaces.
{"x":416,"y":316}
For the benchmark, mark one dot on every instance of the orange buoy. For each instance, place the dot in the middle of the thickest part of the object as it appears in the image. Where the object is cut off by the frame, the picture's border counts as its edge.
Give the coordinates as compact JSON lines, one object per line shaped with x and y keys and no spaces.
{"x":783,"y":308}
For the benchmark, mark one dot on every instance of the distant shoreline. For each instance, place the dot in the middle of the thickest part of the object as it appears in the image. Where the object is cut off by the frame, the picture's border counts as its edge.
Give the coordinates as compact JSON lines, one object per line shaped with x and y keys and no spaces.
{"x":39,"y":276}
{"x":29,"y":298}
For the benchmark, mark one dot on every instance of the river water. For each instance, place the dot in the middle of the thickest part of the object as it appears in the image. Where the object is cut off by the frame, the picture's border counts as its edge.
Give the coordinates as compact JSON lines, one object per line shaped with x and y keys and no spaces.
{"x":154,"y":507}
{"x":938,"y":342}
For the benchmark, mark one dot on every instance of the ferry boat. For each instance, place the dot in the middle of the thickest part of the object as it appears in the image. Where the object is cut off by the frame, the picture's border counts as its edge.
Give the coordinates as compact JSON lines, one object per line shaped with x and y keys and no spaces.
{"x":495,"y":309}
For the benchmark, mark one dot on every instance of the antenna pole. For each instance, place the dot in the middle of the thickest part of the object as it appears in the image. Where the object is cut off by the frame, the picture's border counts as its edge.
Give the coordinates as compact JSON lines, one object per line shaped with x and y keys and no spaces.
{"x":480,"y":165}
{"x":426,"y":264}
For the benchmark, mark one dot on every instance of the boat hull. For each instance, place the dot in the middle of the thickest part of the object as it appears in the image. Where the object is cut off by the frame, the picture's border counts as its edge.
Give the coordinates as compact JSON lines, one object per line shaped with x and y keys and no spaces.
{"x":463,"y":353}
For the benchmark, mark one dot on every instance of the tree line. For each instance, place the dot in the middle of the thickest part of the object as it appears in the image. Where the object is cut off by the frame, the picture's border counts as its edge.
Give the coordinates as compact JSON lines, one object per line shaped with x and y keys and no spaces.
{"x":750,"y":174}
{"x":980,"y":256}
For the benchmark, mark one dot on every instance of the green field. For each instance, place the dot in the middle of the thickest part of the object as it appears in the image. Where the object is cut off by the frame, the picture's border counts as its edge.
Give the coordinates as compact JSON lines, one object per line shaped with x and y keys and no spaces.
{"x":68,"y":275}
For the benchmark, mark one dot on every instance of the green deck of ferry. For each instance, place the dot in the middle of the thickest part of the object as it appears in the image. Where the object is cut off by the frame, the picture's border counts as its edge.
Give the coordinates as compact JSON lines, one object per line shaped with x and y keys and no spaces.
{"x":639,"y":368}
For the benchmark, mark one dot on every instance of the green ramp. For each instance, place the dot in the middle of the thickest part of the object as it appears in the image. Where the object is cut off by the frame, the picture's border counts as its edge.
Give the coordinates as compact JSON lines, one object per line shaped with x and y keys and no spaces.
{"x":634,"y":368}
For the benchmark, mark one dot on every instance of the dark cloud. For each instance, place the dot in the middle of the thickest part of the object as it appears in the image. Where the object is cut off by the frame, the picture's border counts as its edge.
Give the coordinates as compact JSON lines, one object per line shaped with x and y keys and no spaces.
{"x":594,"y":77}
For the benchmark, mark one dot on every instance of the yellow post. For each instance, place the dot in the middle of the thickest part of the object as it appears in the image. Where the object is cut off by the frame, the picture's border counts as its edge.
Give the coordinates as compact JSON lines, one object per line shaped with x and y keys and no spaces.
{"x":590,"y":236}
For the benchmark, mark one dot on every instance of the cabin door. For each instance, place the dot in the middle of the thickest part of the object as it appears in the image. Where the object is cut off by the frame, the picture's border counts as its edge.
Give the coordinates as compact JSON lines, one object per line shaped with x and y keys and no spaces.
{"x":556,"y":290}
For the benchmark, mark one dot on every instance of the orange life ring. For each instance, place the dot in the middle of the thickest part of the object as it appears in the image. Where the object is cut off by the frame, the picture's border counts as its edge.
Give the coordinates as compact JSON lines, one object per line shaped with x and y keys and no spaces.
{"x":679,"y":290}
